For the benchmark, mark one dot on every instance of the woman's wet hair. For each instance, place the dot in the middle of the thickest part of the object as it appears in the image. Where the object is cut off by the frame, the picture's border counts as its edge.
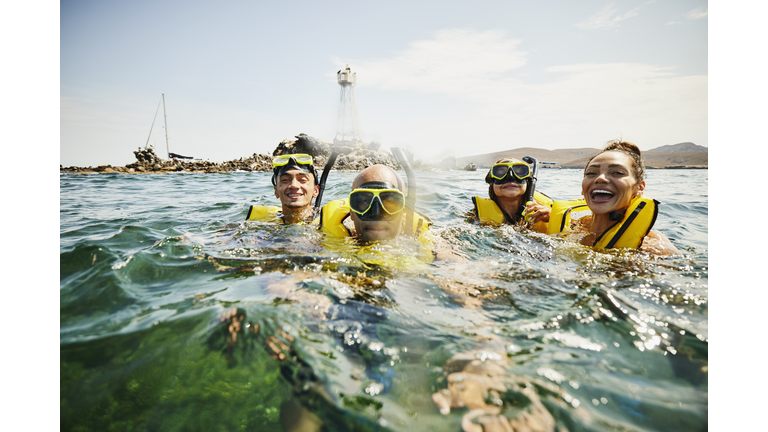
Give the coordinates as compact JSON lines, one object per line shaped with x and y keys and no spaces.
{"x":628,"y":149}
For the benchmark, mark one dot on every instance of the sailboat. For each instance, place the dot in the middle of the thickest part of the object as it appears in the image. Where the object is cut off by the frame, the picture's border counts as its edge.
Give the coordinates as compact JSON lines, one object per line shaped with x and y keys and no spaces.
{"x":165,"y":120}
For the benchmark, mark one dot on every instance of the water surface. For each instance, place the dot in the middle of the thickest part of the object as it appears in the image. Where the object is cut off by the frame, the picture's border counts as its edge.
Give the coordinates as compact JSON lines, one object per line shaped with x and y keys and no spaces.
{"x":361,"y":337}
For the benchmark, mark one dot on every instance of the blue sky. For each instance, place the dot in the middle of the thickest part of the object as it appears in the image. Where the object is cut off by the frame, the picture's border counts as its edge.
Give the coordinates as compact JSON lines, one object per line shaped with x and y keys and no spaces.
{"x":437,"y":77}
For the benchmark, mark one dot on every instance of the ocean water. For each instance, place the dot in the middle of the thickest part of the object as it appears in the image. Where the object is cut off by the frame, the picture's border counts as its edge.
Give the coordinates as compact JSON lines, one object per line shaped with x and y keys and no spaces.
{"x":177,"y":315}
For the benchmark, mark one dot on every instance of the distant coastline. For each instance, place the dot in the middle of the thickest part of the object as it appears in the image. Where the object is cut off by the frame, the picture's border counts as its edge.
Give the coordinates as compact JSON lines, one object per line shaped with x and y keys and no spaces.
{"x":676,"y":156}
{"x":685,"y":155}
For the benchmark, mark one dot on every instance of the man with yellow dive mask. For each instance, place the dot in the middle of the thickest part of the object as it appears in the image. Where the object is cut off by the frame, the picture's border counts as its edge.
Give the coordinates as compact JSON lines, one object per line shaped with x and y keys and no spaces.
{"x":378,"y":210}
{"x":376,"y":204}
{"x":295,"y":182}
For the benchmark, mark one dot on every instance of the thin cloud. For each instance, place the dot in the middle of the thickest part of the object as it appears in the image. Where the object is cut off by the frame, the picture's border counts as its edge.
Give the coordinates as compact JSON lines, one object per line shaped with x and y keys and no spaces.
{"x":697,"y":13}
{"x":481,"y":73}
{"x":693,"y":15}
{"x":609,"y":17}
{"x":453,"y":61}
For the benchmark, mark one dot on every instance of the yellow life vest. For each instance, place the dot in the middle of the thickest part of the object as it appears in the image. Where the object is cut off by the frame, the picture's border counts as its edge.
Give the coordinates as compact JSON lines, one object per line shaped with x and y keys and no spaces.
{"x":267,"y":214}
{"x":264,"y":214}
{"x":332,"y":216}
{"x":628,"y":233}
{"x":489,"y":213}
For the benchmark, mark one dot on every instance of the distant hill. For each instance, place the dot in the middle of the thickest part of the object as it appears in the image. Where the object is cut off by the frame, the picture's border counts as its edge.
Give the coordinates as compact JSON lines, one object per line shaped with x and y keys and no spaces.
{"x":657,"y":160}
{"x":683,"y":154}
{"x":488,"y":159}
{"x":684,"y":147}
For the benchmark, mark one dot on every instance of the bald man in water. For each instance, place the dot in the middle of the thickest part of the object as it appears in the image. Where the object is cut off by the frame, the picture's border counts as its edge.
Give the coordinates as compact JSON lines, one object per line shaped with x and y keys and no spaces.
{"x":376,"y":224}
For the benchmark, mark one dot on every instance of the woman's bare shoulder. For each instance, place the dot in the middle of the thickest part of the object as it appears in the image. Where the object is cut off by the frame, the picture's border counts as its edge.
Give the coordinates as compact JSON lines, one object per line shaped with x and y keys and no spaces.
{"x":657,"y":243}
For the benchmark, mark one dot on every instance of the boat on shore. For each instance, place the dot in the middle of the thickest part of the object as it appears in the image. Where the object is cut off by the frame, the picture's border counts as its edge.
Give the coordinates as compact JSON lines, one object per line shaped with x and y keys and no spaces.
{"x":549,"y":165}
{"x":171,"y":156}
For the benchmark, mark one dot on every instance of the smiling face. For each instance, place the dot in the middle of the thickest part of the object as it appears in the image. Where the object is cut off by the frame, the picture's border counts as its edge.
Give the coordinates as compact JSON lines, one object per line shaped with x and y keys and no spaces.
{"x":295,"y":189}
{"x":510,"y":190}
{"x":609,"y":182}
{"x":513,"y":189}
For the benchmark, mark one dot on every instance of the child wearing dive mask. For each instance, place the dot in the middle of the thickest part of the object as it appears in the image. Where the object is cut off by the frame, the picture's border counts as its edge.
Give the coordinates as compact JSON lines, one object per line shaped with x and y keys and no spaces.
{"x":508,"y":181}
{"x":505,"y":172}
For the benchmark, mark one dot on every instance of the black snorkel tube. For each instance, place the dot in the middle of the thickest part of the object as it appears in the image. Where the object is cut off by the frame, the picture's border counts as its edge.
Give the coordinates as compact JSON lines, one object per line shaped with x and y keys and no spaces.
{"x":531,"y":182}
{"x":410,"y":199}
{"x":323,"y":178}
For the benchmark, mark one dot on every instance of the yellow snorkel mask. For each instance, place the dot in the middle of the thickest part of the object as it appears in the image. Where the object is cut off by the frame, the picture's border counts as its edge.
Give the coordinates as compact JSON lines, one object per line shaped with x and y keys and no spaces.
{"x":505,"y":172}
{"x":283,"y":163}
{"x":368,"y":201}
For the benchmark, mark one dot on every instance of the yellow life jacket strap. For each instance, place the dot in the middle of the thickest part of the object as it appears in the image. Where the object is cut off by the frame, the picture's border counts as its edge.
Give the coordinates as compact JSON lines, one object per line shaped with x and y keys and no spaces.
{"x":638,"y":220}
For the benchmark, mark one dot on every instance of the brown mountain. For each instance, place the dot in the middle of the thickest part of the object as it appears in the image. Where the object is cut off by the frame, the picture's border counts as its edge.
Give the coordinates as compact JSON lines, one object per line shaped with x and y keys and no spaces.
{"x":669,"y":156}
{"x":685,"y":147}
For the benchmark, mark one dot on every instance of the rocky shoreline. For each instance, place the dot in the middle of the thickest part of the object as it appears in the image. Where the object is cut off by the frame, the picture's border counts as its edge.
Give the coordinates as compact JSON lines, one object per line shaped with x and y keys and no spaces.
{"x":351,"y":157}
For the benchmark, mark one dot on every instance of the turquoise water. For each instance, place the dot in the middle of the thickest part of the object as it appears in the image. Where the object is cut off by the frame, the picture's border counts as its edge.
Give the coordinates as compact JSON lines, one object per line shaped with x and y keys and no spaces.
{"x":360,"y":339}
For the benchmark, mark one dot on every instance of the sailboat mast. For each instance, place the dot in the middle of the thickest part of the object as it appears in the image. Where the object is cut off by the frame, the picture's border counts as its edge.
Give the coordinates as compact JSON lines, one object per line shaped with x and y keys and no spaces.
{"x":165,"y":120}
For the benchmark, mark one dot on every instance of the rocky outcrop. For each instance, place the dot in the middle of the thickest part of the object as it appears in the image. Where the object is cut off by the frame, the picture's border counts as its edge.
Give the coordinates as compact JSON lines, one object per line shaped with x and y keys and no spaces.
{"x":147,"y":156}
{"x":303,"y":144}
{"x":351,"y":157}
{"x":470,"y":167}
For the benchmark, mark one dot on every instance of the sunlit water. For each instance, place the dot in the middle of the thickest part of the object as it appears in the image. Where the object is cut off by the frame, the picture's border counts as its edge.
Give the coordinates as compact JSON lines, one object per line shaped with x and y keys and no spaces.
{"x":605,"y":341}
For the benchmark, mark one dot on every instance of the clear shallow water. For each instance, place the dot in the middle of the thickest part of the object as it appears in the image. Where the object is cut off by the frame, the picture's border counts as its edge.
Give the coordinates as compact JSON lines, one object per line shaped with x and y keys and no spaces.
{"x":602,"y":341}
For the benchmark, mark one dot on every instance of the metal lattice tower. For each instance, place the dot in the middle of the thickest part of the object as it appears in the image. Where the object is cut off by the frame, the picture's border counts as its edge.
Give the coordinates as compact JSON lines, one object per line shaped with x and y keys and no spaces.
{"x":347,"y":129}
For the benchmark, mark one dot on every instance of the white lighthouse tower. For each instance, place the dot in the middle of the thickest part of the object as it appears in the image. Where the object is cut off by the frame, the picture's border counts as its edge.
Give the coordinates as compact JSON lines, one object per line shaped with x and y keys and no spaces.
{"x":347,"y":129}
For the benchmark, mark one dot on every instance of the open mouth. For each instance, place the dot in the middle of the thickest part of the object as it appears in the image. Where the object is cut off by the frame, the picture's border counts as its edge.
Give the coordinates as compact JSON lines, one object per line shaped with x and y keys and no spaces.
{"x":601,"y":195}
